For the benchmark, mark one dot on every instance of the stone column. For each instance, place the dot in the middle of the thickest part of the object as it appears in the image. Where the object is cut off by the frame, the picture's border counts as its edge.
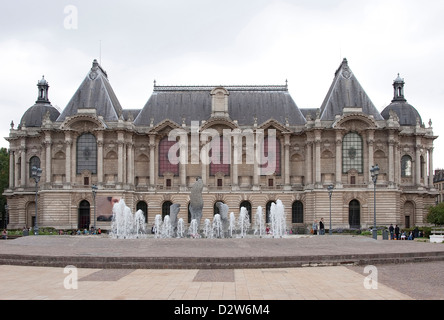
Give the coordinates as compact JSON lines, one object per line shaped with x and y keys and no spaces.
{"x":68,"y":146}
{"x":152,"y":161}
{"x":391,"y":176}
{"x":418,"y":162}
{"x":130,"y":162}
{"x":120,"y":143}
{"x":235,"y":161}
{"x":183,"y":143}
{"x":318,"y":159}
{"x":99,"y":157}
{"x":23,"y":177}
{"x":308,"y":163}
{"x":338,"y":174}
{"x":16,"y":168}
{"x":48,"y":144}
{"x":11,"y":169}
{"x":431,"y":168}
{"x":287,"y":162}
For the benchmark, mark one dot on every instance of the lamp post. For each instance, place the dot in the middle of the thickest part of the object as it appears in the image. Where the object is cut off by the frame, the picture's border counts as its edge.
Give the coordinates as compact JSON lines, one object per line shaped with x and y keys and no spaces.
{"x":36,"y":173}
{"x":330,"y":192}
{"x":94,"y":191}
{"x":374,"y":173}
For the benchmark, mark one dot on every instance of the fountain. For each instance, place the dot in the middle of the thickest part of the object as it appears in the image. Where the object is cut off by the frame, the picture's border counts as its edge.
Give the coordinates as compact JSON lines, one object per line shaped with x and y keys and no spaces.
{"x":232,"y":224}
{"x":126,"y":225}
{"x":277,"y":219}
{"x":218,"y":231}
{"x":193,"y":229}
{"x":243,"y":222}
{"x":207,"y":230}
{"x":157,"y":225}
{"x":259,"y":225}
{"x":180,"y":228}
{"x":166,"y":229}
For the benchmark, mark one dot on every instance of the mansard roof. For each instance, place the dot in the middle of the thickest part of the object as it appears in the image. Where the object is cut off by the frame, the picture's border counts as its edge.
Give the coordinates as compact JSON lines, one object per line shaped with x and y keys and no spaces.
{"x":95,"y":92}
{"x":346,"y":91}
{"x":245,"y":103}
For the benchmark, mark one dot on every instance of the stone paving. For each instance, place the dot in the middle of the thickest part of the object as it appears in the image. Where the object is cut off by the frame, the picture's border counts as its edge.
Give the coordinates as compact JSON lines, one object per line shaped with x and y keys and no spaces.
{"x":345,"y":279}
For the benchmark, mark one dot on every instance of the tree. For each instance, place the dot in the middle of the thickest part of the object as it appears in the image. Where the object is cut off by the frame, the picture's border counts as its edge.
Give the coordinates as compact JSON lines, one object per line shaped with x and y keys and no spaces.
{"x":436,"y":214}
{"x":4,"y":180}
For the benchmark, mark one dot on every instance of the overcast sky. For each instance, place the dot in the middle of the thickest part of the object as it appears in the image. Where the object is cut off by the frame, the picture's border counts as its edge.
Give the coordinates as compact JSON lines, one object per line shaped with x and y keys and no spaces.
{"x":231,"y":42}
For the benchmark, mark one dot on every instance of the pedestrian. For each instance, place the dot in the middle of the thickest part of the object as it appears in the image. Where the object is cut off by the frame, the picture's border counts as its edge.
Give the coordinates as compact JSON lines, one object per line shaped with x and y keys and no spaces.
{"x":315,"y":227}
{"x":396,"y":232}
{"x":5,"y":234}
{"x":321,"y":227}
{"x":392,"y":231}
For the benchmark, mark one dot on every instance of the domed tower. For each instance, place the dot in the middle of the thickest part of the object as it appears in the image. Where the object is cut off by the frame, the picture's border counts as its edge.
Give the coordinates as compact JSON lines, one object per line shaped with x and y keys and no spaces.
{"x":407,"y":114}
{"x":33,"y":117}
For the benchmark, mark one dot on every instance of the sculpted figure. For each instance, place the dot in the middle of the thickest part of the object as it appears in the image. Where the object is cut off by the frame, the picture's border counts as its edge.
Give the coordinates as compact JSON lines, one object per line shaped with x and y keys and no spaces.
{"x":196,"y":201}
{"x":174,"y":211}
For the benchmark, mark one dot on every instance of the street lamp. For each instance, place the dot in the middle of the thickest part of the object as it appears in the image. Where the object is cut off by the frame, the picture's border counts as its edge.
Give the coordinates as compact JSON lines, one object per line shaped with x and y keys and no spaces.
{"x":36,"y":173}
{"x":374,"y":172}
{"x":94,"y":191}
{"x":330,"y":192}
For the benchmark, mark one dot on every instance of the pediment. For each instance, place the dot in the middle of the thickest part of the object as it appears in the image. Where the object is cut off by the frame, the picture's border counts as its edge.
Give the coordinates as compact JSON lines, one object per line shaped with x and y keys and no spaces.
{"x":82,"y":123}
{"x":355,"y":122}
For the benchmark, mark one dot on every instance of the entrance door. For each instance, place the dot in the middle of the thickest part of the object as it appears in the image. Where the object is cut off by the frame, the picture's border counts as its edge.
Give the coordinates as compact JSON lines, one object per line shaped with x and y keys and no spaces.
{"x":354,"y":214}
{"x":84,"y":215}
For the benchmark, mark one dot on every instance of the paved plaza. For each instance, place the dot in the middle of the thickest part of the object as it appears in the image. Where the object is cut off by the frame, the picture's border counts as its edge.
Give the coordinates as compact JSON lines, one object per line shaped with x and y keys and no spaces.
{"x":295,"y":268}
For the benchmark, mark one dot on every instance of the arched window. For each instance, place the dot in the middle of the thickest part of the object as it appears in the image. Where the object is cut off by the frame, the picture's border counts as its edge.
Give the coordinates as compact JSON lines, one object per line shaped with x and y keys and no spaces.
{"x":141,"y":205}
{"x":406,"y":166}
{"x":33,"y":162}
{"x":166,"y":208}
{"x":297,"y":212}
{"x":352,"y":153}
{"x":215,"y":208}
{"x":87,"y":153}
{"x":165,"y":165}
{"x":220,"y":156}
{"x":270,"y":157}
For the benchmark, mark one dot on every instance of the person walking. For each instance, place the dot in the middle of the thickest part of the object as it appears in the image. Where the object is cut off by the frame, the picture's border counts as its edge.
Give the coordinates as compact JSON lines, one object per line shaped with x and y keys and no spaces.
{"x":315,"y":227}
{"x":392,"y":231}
{"x":397,"y":232}
{"x":321,"y":227}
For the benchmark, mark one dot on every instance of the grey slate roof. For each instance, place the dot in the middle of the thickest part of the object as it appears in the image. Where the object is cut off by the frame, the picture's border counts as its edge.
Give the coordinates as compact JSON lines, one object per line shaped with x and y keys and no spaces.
{"x":406,"y":113}
{"x":346,"y":91}
{"x":244,"y":104}
{"x":95,"y":92}
{"x":33,"y":117}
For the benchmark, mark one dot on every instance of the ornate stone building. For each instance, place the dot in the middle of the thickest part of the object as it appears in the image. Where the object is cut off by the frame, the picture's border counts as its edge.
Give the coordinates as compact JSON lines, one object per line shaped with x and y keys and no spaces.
{"x":230,"y":136}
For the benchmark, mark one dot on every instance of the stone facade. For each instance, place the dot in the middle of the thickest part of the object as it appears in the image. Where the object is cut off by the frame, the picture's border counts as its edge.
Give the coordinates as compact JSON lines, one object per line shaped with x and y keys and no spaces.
{"x":94,"y":141}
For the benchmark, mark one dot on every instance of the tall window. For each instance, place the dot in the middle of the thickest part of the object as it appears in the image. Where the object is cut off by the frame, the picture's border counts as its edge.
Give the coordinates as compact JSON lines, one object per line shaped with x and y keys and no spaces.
{"x":165,"y":165}
{"x":268,"y":211}
{"x":271,"y":157}
{"x":247,"y":205}
{"x":87,"y":153}
{"x":297,"y":212}
{"x":406,"y":166}
{"x":352,"y":153}
{"x":220,"y":156}
{"x":33,"y":162}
